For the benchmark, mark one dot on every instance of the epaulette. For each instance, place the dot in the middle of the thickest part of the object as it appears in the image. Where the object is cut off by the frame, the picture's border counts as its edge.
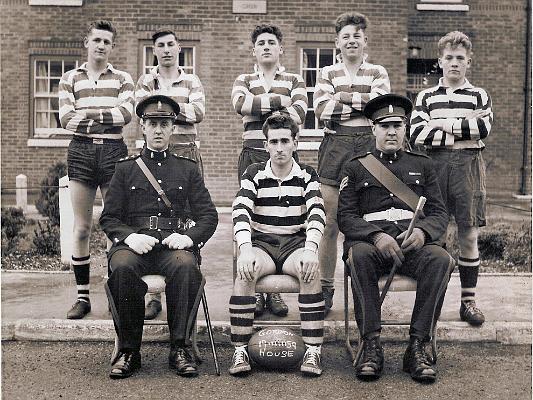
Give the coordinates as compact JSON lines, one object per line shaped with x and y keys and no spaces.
{"x":184,"y":158}
{"x":360,"y":155}
{"x":132,"y":157}
{"x":414,"y":153}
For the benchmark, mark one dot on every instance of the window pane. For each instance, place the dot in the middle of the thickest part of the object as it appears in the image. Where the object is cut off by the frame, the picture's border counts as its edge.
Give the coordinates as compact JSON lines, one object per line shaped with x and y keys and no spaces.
{"x":54,"y":120}
{"x":54,"y":103}
{"x":310,"y":78}
{"x":321,"y":124}
{"x":54,"y":85}
{"x":41,"y":104}
{"x":69,"y":65}
{"x":41,"y":68}
{"x":186,"y":57}
{"x":41,"y":86}
{"x":310,"y":99}
{"x":56,"y":69}
{"x":326,"y":57}
{"x":309,"y":120}
{"x":309,"y":58}
{"x":41,"y":120}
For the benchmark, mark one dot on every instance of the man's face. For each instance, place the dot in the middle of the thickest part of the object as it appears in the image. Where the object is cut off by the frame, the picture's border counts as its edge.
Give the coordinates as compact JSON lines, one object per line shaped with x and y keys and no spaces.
{"x":157,"y":132}
{"x":267,"y":49}
{"x":454,"y":63}
{"x":280,"y":145}
{"x":389,"y":135}
{"x":99,"y":44}
{"x":166,"y":49}
{"x":351,"y":41}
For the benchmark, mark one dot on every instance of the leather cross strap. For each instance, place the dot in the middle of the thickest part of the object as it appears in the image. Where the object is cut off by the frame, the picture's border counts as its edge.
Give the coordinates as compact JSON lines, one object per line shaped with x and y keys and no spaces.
{"x":153,"y":182}
{"x":390,"y":181}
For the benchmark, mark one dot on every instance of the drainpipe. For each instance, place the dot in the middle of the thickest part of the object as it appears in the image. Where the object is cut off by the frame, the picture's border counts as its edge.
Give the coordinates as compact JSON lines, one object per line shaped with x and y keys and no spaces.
{"x":523,"y":169}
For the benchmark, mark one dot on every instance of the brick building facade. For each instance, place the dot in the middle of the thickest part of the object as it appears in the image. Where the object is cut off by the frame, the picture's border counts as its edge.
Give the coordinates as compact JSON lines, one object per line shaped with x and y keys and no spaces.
{"x":38,"y":42}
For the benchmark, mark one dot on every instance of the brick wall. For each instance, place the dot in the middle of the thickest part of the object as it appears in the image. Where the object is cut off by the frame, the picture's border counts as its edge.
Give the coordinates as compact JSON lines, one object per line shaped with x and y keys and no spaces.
{"x":224,"y":51}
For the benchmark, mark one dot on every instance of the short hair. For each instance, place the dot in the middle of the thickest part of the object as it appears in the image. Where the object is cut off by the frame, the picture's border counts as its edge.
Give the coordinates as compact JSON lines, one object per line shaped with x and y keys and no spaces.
{"x":280,"y":121}
{"x":264,"y":28}
{"x":455,"y":39}
{"x":351,"y":18}
{"x":161,"y":33}
{"x":103,"y":25}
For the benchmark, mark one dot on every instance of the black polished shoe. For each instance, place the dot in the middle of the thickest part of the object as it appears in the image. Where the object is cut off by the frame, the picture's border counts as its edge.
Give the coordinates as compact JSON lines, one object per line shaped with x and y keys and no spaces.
{"x":470,"y":313}
{"x":259,"y":304}
{"x":328,"y":293}
{"x":417,"y":363}
{"x":180,"y":360}
{"x":79,"y":310}
{"x":125,"y":365}
{"x":152,"y":310}
{"x":370,"y":365}
{"x":277,"y":306}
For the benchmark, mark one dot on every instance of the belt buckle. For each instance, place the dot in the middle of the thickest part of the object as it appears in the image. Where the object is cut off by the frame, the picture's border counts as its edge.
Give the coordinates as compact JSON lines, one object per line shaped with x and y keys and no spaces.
{"x":395,"y":214}
{"x":98,"y":141}
{"x":154,"y":221}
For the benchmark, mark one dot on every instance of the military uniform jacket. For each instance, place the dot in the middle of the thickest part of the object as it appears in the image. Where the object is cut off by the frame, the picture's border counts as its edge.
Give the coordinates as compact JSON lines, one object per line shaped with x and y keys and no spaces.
{"x":131,"y":195}
{"x":361,"y":193}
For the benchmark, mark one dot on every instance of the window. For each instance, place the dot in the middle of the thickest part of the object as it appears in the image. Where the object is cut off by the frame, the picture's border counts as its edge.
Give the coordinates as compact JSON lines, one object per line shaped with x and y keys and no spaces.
{"x":46,"y":73}
{"x":186,"y":58}
{"x":421,"y":74}
{"x":312,"y":60}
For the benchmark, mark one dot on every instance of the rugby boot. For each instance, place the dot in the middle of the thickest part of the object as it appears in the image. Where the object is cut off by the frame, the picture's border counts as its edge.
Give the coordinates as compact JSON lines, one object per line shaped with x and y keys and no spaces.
{"x":79,"y":310}
{"x":417,"y":363}
{"x":259,"y":304}
{"x":153,"y":308}
{"x":470,"y":313}
{"x":370,"y":365}
{"x":328,"y":293}
{"x":277,"y":306}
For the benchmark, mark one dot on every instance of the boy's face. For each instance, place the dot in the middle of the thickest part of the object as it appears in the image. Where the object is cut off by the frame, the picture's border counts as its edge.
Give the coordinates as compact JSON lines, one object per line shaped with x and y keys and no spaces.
{"x":389,"y":135}
{"x":157,"y":132}
{"x":267,"y":49}
{"x":99,"y":44}
{"x":454,"y":62}
{"x":280,"y":145}
{"x":351,"y":41}
{"x":166,"y":49}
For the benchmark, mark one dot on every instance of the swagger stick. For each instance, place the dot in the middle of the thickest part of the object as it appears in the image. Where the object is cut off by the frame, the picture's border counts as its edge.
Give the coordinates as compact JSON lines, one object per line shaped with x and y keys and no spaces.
{"x":419,"y":208}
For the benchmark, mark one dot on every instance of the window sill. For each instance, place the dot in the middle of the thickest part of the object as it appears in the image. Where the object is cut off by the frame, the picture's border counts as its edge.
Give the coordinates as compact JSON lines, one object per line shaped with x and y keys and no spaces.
{"x":69,"y":3}
{"x":42,"y":142}
{"x":442,"y":7}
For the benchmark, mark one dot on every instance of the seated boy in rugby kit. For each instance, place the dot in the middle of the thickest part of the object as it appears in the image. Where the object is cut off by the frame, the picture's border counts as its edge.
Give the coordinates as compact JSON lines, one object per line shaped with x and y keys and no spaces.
{"x":278,"y":218}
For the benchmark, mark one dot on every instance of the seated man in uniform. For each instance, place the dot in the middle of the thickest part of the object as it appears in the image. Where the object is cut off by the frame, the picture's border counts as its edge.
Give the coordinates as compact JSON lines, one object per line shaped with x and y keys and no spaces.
{"x":278,"y":218}
{"x":375,"y":221}
{"x":149,"y":235}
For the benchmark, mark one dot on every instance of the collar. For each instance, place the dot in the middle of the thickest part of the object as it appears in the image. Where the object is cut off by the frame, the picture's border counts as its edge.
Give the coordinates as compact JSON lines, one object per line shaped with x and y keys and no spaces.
{"x":279,"y":70}
{"x":83,"y":67}
{"x":155,"y":73}
{"x":339,"y":58}
{"x":388,"y":157}
{"x":465,"y":85}
{"x":296,"y":171}
{"x":155,"y":155}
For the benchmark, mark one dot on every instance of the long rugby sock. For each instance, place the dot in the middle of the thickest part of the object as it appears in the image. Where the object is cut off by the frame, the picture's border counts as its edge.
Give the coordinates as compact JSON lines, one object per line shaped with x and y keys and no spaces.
{"x":312,"y":317}
{"x":81,"y":267}
{"x":468,"y":273}
{"x":241,"y":312}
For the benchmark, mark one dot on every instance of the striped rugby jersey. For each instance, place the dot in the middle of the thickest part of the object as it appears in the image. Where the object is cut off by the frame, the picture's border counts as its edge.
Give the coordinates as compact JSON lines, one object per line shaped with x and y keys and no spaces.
{"x":255,"y":101}
{"x":453,"y":106}
{"x":187,"y":91}
{"x":99,"y":108}
{"x":267,"y":204}
{"x":338,"y":100}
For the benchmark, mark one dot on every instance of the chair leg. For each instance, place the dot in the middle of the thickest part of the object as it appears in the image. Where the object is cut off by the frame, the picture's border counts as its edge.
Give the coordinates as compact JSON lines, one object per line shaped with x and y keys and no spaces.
{"x":210,"y":333}
{"x":348,"y":343}
{"x":195,"y":350}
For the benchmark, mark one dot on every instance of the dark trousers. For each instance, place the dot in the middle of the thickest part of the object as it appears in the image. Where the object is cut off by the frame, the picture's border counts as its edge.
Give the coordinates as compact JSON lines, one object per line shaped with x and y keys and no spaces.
{"x":429,"y":266}
{"x":126,"y":290}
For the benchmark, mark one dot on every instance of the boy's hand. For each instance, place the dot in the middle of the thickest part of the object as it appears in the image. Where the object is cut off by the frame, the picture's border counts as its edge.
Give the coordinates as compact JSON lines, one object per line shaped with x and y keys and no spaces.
{"x":308,"y":265}
{"x":246,"y":264}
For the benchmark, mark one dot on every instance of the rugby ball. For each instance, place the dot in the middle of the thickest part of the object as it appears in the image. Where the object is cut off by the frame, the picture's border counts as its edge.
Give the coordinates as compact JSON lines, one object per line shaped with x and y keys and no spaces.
{"x":276,"y":348}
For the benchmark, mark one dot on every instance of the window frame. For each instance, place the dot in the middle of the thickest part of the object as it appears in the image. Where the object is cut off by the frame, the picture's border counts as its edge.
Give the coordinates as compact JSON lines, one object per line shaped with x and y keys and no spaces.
{"x":184,"y":44}
{"x":47,"y":133}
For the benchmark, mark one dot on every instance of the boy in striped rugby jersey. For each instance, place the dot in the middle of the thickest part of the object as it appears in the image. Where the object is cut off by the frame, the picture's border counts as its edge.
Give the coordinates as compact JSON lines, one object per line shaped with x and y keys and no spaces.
{"x":341,"y":92}
{"x":278,"y":219}
{"x":169,"y":79}
{"x":95,"y":102}
{"x":255,"y":97}
{"x":450,"y":120}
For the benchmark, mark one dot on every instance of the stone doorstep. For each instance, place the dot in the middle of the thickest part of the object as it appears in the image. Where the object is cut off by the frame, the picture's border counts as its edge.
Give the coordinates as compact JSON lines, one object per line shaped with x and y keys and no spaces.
{"x":509,"y":333}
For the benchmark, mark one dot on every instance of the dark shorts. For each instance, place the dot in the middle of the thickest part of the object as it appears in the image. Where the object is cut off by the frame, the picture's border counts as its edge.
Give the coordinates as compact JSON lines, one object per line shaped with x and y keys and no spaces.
{"x":190,"y":151}
{"x":92,"y":163}
{"x":278,"y":247}
{"x":336,"y":150}
{"x":461,"y":175}
{"x":251,"y":156}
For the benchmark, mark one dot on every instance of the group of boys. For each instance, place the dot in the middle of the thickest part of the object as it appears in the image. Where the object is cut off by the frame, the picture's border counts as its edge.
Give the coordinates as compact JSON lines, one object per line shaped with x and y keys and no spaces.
{"x":158,"y":212}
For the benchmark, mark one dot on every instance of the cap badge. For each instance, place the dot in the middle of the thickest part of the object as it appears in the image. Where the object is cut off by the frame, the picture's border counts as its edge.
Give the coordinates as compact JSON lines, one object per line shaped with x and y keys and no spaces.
{"x":159,"y":106}
{"x":391,"y":109}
